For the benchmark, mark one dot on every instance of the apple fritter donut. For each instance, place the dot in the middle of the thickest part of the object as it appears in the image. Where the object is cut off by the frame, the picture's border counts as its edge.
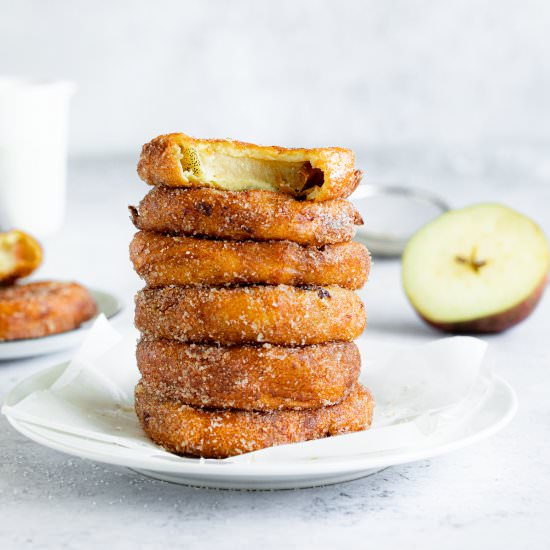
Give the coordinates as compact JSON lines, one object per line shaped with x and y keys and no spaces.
{"x":219,"y":433}
{"x":255,"y":215}
{"x":20,"y":255}
{"x":42,"y":308}
{"x":163,"y":260}
{"x":249,"y":377}
{"x":179,"y":160}
{"x":280,"y":314}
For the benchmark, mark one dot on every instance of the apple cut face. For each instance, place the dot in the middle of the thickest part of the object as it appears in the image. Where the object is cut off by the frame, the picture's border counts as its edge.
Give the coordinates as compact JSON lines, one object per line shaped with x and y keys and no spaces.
{"x":479,"y":269}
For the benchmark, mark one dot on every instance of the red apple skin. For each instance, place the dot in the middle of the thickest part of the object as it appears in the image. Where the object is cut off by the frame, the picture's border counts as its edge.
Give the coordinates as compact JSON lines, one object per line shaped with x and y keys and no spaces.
{"x":498,"y":322}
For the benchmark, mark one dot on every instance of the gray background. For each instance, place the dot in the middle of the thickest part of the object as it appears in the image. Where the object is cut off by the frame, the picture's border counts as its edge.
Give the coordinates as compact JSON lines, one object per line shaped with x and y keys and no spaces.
{"x":356,"y":73}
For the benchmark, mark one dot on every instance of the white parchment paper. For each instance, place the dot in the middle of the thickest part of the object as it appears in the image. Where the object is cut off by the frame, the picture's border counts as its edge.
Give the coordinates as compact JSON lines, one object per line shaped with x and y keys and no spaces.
{"x":421,"y":393}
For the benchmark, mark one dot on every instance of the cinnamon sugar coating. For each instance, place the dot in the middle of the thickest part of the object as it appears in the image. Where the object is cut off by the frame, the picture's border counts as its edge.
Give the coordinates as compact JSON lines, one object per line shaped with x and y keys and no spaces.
{"x":248,"y":314}
{"x":245,"y":215}
{"x":249,"y":377}
{"x":219,"y":433}
{"x":163,"y":260}
{"x":38,"y":309}
{"x":281,"y":314}
{"x":179,"y":160}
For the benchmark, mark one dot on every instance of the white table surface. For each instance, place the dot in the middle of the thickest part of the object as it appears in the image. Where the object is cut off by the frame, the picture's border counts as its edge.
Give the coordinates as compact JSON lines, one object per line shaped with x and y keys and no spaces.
{"x":493,"y":495}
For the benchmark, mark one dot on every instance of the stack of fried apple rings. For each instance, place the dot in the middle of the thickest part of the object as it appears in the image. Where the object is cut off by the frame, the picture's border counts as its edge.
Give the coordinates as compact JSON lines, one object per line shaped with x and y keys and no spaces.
{"x":249,"y":313}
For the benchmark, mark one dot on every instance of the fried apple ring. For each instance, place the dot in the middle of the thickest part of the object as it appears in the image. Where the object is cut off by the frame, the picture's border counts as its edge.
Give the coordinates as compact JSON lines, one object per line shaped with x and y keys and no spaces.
{"x":282,"y":314}
{"x":39,"y":309}
{"x":249,"y":377}
{"x":255,"y":215}
{"x":178,"y":160}
{"x":163,"y":260}
{"x":219,"y":433}
{"x":20,"y":255}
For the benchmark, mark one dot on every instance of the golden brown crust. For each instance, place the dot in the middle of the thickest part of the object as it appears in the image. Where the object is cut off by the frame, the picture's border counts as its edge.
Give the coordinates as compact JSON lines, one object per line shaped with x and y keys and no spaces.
{"x":213,"y":433}
{"x":282,"y":314}
{"x":256,"y":215}
{"x":162,"y":163}
{"x":20,"y":255}
{"x":249,"y":377}
{"x":163,"y":260}
{"x":42,"y":308}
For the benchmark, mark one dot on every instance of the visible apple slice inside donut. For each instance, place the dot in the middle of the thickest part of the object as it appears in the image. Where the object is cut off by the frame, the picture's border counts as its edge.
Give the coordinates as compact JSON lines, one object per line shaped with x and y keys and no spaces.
{"x":478,"y":269}
{"x":20,"y":255}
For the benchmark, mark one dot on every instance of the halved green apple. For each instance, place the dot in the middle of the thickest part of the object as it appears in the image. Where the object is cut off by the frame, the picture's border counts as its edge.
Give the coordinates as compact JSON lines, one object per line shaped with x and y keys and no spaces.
{"x":478,"y":269}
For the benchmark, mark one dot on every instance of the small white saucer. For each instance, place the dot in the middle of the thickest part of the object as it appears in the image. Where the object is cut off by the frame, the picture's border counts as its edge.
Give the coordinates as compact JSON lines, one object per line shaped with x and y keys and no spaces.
{"x":17,"y":349}
{"x":392,"y":215}
{"x":496,"y":410}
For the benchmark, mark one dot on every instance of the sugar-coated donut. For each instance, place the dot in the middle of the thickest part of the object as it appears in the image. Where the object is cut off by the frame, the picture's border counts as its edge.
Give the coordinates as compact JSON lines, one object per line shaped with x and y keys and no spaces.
{"x":219,"y":433}
{"x":245,"y":215}
{"x":313,"y":174}
{"x":250,"y":377}
{"x":38,"y":309}
{"x":281,"y":314}
{"x":163,"y":260}
{"x":20,"y":255}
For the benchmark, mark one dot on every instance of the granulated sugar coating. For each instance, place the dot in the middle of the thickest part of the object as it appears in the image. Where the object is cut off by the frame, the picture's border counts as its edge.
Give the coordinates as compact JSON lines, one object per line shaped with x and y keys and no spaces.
{"x":256,"y":215}
{"x":219,"y":433}
{"x":282,"y":314}
{"x":179,"y":160}
{"x":41,"y":308}
{"x":249,"y":377}
{"x":164,"y":260}
{"x":248,"y":314}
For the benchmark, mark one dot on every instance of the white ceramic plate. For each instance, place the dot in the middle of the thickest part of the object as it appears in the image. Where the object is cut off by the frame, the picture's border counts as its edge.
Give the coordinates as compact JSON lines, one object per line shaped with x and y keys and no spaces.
{"x":16,"y":349}
{"x":495,"y":412}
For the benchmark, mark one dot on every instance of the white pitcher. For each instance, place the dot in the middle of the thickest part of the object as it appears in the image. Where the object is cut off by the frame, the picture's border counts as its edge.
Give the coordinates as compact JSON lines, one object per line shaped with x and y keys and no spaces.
{"x":33,"y":154}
